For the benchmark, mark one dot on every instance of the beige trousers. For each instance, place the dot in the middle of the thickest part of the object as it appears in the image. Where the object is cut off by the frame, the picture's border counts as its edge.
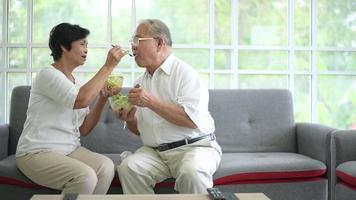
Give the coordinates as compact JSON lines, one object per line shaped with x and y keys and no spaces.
{"x":82,"y":171}
{"x":191,"y":165}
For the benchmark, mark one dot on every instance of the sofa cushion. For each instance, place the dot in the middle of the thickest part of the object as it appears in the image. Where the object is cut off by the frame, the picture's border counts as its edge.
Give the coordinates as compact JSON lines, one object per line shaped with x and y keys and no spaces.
{"x":244,"y":167}
{"x":346,"y":172}
{"x":9,"y":174}
{"x":243,"y":120}
{"x":254,"y":166}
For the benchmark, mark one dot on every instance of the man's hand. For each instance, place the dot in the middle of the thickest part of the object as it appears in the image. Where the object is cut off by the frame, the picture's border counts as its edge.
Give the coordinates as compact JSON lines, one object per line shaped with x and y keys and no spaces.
{"x":140,"y":97}
{"x":125,"y":115}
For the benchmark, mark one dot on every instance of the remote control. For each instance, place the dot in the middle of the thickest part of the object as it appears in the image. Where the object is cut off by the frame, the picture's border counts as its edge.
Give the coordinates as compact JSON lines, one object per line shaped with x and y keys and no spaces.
{"x":70,"y":196}
{"x":215,"y":194}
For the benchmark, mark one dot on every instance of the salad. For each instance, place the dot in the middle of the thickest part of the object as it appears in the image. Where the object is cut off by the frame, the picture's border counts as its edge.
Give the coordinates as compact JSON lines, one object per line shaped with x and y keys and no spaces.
{"x":120,"y":101}
{"x":114,"y":81}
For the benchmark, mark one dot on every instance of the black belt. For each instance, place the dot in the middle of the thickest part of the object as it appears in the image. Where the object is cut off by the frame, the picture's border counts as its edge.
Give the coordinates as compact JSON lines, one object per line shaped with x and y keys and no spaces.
{"x":172,"y":145}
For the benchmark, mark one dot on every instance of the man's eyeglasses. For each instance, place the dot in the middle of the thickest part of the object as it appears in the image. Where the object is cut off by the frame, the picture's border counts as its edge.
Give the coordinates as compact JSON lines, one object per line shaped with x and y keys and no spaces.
{"x":136,"y":40}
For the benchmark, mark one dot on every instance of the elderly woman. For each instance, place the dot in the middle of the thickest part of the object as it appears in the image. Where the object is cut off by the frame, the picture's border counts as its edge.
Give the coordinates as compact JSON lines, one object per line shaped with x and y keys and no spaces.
{"x":49,"y":150}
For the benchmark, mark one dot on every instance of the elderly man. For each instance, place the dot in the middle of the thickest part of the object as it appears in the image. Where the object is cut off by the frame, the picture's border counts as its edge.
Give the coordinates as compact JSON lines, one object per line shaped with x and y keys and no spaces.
{"x":172,"y":118}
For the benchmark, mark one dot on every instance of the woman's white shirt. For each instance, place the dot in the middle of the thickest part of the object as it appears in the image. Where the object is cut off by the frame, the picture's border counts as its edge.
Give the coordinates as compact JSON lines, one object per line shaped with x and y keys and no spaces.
{"x":52,"y":124}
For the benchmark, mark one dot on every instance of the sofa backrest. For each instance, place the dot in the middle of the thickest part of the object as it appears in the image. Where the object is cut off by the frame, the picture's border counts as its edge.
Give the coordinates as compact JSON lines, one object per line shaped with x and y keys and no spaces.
{"x":107,"y":137}
{"x":245,"y":121}
{"x":253,"y":120}
{"x":18,"y":108}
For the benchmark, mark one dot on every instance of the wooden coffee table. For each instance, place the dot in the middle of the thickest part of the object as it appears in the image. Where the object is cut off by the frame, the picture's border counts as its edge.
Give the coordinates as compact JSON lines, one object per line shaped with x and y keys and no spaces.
{"x":241,"y":196}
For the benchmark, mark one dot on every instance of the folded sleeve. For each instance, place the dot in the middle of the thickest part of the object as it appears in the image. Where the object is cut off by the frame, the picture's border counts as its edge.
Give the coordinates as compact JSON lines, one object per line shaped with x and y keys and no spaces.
{"x":194,"y":98}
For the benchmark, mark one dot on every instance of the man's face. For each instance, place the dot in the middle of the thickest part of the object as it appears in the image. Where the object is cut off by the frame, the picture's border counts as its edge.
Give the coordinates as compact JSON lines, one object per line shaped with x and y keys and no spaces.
{"x":145,"y":50}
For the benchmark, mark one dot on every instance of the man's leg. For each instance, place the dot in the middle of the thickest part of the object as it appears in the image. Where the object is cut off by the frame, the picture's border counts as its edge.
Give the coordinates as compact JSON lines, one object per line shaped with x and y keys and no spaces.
{"x":140,"y":171}
{"x":193,"y":167}
{"x":102,"y":165}
{"x":59,"y":172}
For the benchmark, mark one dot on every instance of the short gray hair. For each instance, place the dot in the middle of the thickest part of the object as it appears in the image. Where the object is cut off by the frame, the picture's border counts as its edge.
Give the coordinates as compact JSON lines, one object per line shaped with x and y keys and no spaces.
{"x":158,"y":29}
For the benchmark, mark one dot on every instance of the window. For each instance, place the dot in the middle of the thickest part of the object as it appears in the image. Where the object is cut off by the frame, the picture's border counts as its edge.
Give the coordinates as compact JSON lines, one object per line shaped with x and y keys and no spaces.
{"x":306,"y":46}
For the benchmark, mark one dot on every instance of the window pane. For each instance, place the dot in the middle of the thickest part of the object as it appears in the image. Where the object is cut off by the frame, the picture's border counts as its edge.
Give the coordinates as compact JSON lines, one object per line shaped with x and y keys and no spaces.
{"x":17,"y":27}
{"x":262,"y":22}
{"x":125,"y":62}
{"x":222,"y":59}
{"x":17,"y":58}
{"x":302,"y":98}
{"x":1,"y":61}
{"x":302,"y":22}
{"x":187,"y":20}
{"x":223,"y":81}
{"x":41,"y":57}
{"x":337,"y":101}
{"x":83,"y":77}
{"x":222,"y":29}
{"x":336,"y":61}
{"x":262,"y":60}
{"x":301,"y":61}
{"x":121,"y":22}
{"x":197,"y":58}
{"x":90,"y":14}
{"x":95,"y":59}
{"x":127,"y":80}
{"x":263,"y":81}
{"x":336,"y":23}
{"x":14,"y":79}
{"x":1,"y":14}
{"x":2,"y":98}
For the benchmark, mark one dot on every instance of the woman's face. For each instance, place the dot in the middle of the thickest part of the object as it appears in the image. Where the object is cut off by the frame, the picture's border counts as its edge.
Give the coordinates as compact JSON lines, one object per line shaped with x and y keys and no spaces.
{"x":78,"y":53}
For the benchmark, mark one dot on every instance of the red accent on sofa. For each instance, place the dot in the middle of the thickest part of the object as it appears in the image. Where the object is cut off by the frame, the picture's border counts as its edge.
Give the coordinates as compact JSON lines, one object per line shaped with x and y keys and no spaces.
{"x":11,"y":181}
{"x":347,"y":178}
{"x":244,"y":178}
{"x":259,"y":176}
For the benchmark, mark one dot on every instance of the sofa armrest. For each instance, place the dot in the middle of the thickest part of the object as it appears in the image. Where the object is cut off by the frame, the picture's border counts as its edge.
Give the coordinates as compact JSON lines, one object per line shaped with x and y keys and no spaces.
{"x":342,"y":150}
{"x":343,"y":146}
{"x":313,"y":140}
{"x":4,"y":140}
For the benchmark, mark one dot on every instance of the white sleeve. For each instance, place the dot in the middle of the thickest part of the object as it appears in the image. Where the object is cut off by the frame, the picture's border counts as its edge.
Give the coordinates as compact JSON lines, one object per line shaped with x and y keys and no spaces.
{"x":194,"y":98}
{"x":56,"y":86}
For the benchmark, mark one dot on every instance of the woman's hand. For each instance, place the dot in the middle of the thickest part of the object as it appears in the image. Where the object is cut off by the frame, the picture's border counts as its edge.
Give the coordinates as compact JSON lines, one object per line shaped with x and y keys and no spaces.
{"x":114,"y":56}
{"x":105,"y":93}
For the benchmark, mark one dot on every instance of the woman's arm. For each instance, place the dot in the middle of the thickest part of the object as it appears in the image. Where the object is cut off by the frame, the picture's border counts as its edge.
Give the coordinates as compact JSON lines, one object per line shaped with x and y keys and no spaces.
{"x":93,"y":117}
{"x":91,"y":89}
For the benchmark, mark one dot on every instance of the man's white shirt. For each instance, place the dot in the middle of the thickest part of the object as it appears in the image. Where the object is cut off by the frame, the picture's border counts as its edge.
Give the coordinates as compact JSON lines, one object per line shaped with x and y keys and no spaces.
{"x":178,"y":83}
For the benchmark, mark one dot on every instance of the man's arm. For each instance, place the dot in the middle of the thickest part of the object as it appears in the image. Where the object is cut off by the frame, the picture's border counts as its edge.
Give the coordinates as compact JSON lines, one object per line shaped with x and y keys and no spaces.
{"x":172,"y":113}
{"x":129,"y":118}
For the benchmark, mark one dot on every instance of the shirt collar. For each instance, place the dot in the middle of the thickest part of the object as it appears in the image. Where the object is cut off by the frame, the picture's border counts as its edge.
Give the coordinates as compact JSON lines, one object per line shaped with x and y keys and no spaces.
{"x":167,"y":64}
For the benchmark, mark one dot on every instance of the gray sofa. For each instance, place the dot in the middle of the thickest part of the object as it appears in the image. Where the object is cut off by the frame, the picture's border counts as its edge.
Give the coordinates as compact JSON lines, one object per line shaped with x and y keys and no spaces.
{"x":344,"y":164}
{"x":264,"y":150}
